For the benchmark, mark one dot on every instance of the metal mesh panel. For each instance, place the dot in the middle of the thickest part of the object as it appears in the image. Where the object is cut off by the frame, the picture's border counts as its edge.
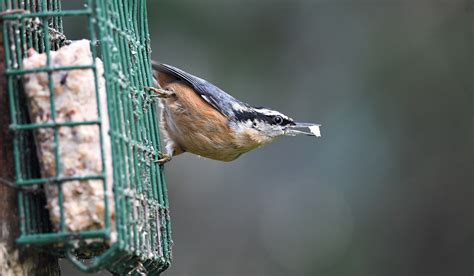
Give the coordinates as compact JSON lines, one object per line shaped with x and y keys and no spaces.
{"x":118,"y":32}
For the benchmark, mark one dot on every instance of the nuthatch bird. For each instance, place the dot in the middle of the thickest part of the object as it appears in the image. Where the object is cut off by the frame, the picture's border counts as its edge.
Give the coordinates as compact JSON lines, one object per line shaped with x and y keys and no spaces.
{"x":198,"y":117}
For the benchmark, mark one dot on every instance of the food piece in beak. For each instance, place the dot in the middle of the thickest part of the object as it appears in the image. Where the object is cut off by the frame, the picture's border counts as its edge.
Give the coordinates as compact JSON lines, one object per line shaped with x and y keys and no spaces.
{"x":314,"y":129}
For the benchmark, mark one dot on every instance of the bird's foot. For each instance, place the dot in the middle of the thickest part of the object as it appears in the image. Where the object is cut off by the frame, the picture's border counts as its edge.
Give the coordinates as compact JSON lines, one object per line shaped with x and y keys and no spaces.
{"x":161,"y":93}
{"x":163,"y":158}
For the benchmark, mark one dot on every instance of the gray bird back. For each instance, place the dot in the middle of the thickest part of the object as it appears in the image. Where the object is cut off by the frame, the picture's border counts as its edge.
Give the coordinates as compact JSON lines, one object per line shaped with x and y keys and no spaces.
{"x":216,"y":97}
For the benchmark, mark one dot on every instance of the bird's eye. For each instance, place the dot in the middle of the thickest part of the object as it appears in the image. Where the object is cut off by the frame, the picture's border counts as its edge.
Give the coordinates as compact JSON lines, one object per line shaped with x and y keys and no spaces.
{"x":278,"y":120}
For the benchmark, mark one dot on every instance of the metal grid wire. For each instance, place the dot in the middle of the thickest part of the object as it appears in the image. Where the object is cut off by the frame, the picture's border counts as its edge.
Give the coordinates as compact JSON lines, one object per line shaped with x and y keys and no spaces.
{"x":118,"y":30}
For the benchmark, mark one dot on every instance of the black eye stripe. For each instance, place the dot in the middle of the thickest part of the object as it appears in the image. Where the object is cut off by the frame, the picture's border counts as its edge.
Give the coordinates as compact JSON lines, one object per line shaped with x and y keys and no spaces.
{"x":244,"y":116}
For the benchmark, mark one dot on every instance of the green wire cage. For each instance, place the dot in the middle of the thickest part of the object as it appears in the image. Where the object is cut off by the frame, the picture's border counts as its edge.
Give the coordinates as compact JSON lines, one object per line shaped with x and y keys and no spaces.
{"x":138,"y":239}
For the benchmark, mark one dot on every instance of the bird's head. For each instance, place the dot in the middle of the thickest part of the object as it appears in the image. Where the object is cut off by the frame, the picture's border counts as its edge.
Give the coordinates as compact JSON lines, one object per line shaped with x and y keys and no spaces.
{"x":265,"y":125}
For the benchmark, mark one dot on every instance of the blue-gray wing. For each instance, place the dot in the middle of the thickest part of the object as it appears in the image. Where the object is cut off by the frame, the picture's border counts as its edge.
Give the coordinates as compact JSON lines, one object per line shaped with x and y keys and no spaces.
{"x":220,"y":100}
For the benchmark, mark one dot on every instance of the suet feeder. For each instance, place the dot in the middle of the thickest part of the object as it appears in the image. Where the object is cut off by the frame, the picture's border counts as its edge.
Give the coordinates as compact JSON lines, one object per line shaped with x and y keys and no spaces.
{"x":131,"y":229}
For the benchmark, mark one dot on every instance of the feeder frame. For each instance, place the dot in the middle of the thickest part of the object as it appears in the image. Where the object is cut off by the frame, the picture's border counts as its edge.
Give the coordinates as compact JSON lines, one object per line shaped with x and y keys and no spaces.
{"x":119,"y":35}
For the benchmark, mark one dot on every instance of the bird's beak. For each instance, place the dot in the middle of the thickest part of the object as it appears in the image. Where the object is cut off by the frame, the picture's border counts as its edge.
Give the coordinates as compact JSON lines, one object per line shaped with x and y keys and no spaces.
{"x":311,"y":129}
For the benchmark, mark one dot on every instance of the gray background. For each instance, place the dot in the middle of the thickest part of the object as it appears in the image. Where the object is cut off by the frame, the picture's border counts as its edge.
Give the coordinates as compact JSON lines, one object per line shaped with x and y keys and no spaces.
{"x":388,"y":188}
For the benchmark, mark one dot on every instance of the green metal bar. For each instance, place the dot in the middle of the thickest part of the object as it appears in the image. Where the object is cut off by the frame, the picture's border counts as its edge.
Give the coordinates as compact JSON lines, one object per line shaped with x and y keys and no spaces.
{"x":56,"y":20}
{"x":155,"y":173}
{"x":151,"y":226}
{"x":135,"y":104}
{"x":117,"y":122}
{"x":99,"y":115}
{"x":21,"y":209}
{"x":13,"y":117}
{"x":53,"y":125}
{"x":28,"y":4}
{"x":101,"y":13}
{"x":22,"y":139}
{"x":39,"y":45}
{"x":48,"y":238}
{"x":45,"y":14}
{"x":135,"y":183}
{"x":126,"y":129}
{"x":31,"y":182}
{"x":6,"y":45}
{"x":17,"y":37}
{"x":52,"y":102}
{"x":22,"y":30}
{"x":47,"y":69}
{"x":162,"y":187}
{"x":12,"y":102}
{"x":59,"y":24}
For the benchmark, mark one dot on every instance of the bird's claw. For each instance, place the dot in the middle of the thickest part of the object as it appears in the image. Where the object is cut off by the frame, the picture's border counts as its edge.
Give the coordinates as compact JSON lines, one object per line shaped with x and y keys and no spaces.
{"x":161,"y":93}
{"x":163,"y":158}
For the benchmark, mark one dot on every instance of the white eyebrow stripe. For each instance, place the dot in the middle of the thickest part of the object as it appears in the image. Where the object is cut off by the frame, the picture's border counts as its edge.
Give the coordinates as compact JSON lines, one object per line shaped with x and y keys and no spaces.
{"x":270,"y":112}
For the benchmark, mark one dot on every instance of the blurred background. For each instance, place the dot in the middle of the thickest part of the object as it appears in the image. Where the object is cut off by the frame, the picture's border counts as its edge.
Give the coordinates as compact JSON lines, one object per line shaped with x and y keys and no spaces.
{"x":387,"y":190}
